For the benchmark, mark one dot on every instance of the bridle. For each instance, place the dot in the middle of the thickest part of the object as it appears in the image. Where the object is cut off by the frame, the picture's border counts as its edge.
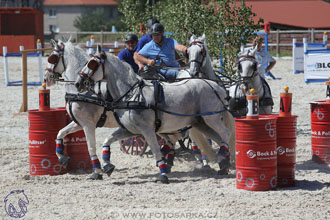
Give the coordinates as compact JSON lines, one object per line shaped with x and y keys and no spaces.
{"x":54,"y":59}
{"x":200,"y":44}
{"x":93,"y":64}
{"x":255,"y":66}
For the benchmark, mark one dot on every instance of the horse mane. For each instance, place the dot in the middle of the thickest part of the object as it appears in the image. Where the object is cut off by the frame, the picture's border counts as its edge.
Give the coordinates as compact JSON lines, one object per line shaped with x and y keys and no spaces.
{"x":76,"y":56}
{"x":121,"y":66}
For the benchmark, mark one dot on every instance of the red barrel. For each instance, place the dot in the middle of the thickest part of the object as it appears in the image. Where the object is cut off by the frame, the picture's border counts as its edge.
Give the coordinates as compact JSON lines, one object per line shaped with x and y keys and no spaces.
{"x":320,"y":126}
{"x":77,"y":149}
{"x":78,"y":152}
{"x":286,"y":150}
{"x":256,"y":155}
{"x":43,"y":129}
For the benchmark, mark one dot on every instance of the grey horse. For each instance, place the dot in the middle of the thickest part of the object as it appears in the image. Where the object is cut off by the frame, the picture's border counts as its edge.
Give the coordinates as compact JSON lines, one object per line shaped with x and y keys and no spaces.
{"x":70,"y":59}
{"x":250,"y":78}
{"x":199,"y":102}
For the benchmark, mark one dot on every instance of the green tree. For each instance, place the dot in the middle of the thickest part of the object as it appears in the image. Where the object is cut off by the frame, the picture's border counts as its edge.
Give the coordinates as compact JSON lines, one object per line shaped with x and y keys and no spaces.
{"x":135,"y":13}
{"x":92,"y":21}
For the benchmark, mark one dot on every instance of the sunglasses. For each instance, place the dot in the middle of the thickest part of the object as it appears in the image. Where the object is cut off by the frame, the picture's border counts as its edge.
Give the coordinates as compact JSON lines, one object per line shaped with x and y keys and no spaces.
{"x":130,"y":42}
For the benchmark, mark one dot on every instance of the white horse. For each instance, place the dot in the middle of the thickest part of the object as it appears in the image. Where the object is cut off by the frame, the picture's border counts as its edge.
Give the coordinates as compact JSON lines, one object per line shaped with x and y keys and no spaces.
{"x":249,"y":78}
{"x":70,"y":59}
{"x":200,"y":66}
{"x":200,"y":101}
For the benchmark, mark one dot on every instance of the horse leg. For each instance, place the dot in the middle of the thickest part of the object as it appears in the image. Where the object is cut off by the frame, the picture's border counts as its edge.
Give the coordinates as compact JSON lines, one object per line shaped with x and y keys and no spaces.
{"x":199,"y":156}
{"x":70,"y":128}
{"x":197,"y":135}
{"x":117,"y":135}
{"x":150,"y":136}
{"x":168,"y":149}
{"x":89,"y":130}
{"x":212,"y":128}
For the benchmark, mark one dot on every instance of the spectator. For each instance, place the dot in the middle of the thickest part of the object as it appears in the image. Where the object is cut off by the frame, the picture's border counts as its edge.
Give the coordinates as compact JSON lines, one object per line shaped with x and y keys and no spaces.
{"x":263,"y":57}
{"x":128,"y":53}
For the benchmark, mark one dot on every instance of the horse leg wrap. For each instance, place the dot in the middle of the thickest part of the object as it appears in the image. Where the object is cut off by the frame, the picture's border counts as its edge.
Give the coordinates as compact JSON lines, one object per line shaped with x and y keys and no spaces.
{"x":195,"y":151}
{"x":108,"y":168}
{"x":62,"y":159}
{"x":59,"y":146}
{"x":203,"y":158}
{"x":106,"y":154}
{"x":170,"y":157}
{"x":96,"y":163}
{"x":165,"y":149}
{"x":162,"y":166}
{"x":223,"y":159}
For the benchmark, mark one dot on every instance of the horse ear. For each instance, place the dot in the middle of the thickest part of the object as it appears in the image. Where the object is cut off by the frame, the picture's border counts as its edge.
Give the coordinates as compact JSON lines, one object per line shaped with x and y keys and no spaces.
{"x":99,"y":49}
{"x":192,"y":38}
{"x":203,"y":37}
{"x":53,"y":43}
{"x":253,"y":51}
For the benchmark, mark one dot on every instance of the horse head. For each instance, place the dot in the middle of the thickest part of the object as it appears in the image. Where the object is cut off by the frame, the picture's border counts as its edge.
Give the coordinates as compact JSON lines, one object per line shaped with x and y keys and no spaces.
{"x":56,"y":65}
{"x":91,"y":72}
{"x":197,"y":52}
{"x":247,"y":67}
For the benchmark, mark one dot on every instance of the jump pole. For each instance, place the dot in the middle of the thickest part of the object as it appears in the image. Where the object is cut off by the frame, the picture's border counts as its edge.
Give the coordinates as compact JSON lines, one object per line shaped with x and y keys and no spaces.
{"x":5,"y":62}
{"x":24,"y":106}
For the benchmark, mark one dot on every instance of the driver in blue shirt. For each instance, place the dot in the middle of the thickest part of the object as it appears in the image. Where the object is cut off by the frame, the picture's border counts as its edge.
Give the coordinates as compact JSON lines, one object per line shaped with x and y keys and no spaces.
{"x":127,"y":54}
{"x":161,"y":51}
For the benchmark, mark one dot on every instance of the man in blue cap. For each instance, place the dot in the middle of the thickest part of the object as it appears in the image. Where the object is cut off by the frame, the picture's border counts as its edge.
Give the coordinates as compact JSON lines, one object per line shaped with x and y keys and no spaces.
{"x":128,"y":53}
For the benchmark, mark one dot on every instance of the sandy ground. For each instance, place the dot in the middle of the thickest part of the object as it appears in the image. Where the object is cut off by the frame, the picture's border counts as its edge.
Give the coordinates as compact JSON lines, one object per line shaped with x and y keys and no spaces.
{"x":130,"y":193}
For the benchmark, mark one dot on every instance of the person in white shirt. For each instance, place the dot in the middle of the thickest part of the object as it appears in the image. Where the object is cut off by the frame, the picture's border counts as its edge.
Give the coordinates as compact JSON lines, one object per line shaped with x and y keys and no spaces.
{"x":263,"y":57}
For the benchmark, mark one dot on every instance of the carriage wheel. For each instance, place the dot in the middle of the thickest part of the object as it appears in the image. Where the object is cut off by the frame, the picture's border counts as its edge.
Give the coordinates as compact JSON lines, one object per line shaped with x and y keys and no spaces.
{"x":185,"y":143}
{"x":137,"y":145}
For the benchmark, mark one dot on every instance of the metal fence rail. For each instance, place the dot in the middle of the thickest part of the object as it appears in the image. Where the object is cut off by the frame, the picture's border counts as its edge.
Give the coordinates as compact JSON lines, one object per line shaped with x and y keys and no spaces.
{"x":277,"y":40}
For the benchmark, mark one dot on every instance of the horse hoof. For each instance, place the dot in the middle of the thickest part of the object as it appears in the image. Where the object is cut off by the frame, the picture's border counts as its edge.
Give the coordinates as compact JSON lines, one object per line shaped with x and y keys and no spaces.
{"x":95,"y":176}
{"x":223,"y":172}
{"x":162,"y":179}
{"x":206,"y":166}
{"x":63,"y":160}
{"x":169,"y":162}
{"x":224,"y":166}
{"x":108,"y":169}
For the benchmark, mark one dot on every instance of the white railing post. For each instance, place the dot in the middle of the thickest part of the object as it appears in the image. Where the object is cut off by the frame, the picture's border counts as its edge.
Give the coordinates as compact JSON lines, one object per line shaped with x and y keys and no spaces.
{"x":5,"y":64}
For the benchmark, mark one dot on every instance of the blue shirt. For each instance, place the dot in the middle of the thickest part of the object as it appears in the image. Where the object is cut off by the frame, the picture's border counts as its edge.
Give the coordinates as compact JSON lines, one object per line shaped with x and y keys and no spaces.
{"x":166,"y":52}
{"x":127,"y":56}
{"x":143,"y":41}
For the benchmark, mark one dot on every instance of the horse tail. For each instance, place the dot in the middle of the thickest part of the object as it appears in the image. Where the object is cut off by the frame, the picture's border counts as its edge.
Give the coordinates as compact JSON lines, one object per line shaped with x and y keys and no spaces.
{"x":230,"y":124}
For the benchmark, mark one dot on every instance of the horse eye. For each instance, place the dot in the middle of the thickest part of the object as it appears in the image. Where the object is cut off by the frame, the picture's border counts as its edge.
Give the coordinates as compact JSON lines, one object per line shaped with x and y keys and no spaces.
{"x":93,"y":65}
{"x":53,"y":59}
